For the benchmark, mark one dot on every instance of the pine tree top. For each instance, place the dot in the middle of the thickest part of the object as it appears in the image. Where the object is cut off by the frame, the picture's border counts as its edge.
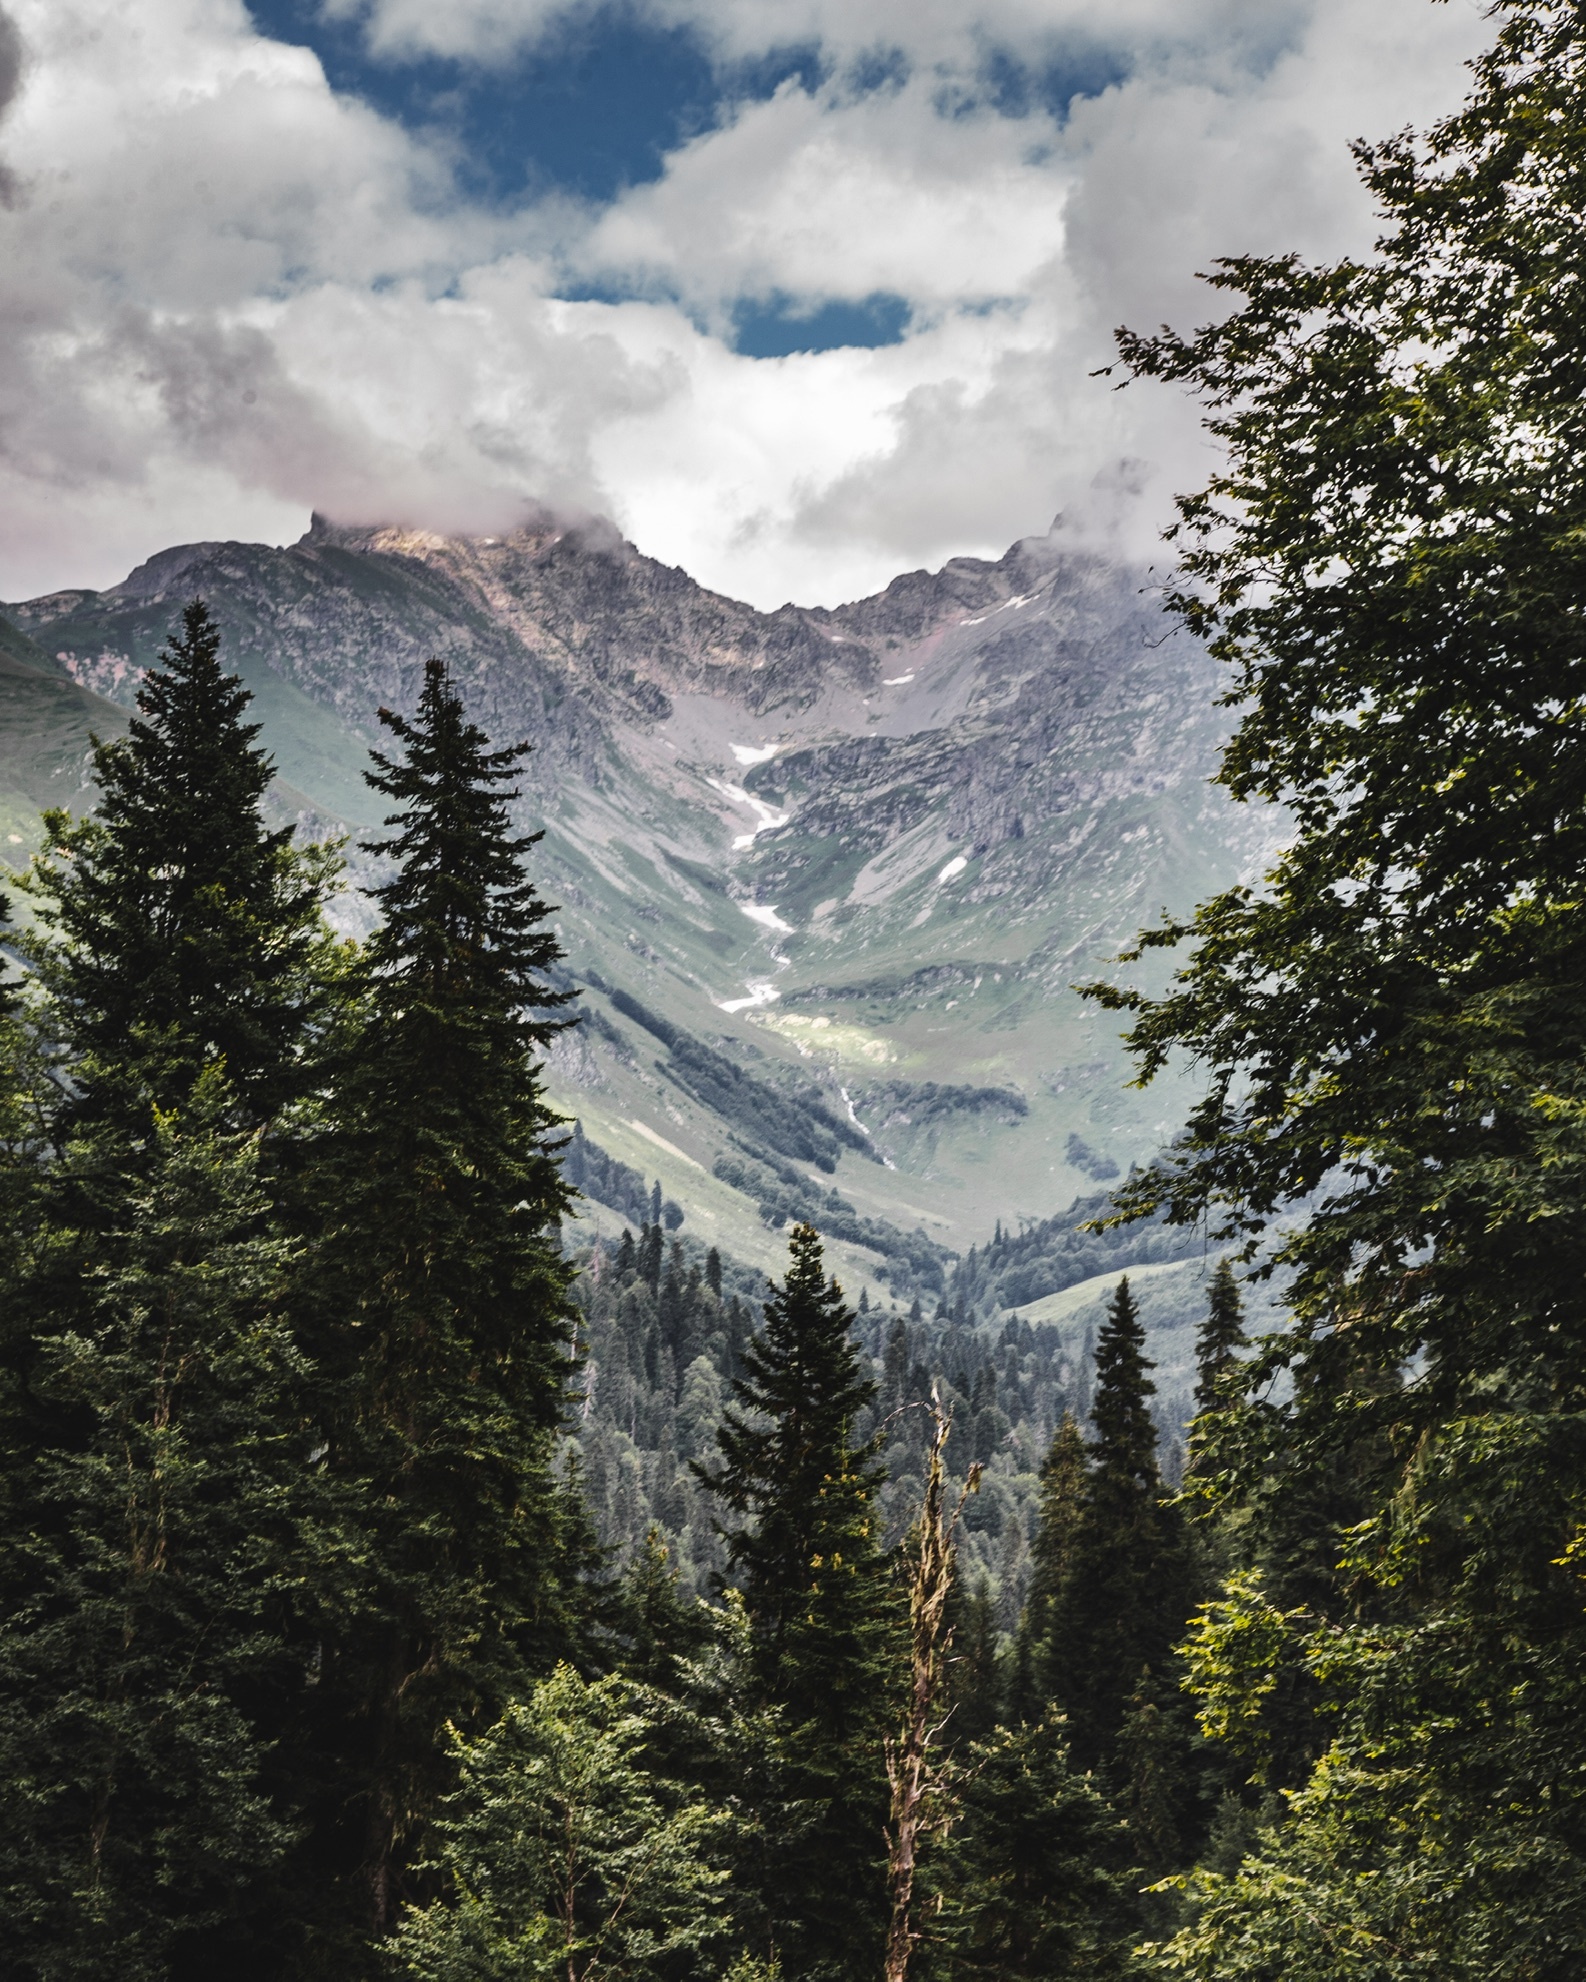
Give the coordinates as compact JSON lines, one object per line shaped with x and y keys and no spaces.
{"x":445,"y":1147}
{"x":802,"y":1372}
{"x":177,"y":931}
{"x":460,"y":913}
{"x":1124,"y":1449}
{"x":809,"y":1550}
{"x":1221,"y":1335}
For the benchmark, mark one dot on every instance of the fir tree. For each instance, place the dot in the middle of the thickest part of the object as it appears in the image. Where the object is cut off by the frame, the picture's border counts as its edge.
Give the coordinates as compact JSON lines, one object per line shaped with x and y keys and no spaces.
{"x":440,"y":1307}
{"x":176,"y":932}
{"x":26,"y":1097}
{"x":974,"y":1675}
{"x":1217,"y":1344}
{"x":154,"y":1557}
{"x":895,"y":1369}
{"x":650,"y":1254}
{"x":1125,"y":1595}
{"x":810,"y":1564}
{"x":1220,"y":1337}
{"x":1063,"y":1487}
{"x":1153,"y":1791}
{"x":155,"y":1455}
{"x":658,"y":1627}
{"x":1125,"y":1443}
{"x":1030,"y":1877}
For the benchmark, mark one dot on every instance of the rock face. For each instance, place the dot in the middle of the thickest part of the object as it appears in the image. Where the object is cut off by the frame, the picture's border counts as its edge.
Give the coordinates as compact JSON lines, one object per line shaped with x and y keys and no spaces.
{"x":854,"y":851}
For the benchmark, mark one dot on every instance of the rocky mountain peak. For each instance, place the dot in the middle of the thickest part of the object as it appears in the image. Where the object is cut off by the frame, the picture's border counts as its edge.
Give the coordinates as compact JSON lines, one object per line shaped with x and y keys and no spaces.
{"x":829,"y":848}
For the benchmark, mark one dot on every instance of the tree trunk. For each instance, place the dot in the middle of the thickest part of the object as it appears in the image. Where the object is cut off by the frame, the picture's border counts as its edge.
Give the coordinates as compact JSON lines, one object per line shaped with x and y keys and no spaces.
{"x":917,"y":1793}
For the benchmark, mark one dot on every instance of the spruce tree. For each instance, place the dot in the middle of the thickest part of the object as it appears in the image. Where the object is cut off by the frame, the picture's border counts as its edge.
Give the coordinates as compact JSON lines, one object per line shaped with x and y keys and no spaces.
{"x":175,"y":931}
{"x":658,"y":1627}
{"x":1220,"y":1337}
{"x":1062,"y":1480}
{"x":974,"y":1677}
{"x":439,"y":1312}
{"x":651,"y":1253}
{"x":155,"y":1460}
{"x":1125,"y":1595}
{"x":156,"y":1540}
{"x":1030,"y":1878}
{"x":1217,"y":1344}
{"x":25,"y":1105}
{"x":809,"y":1561}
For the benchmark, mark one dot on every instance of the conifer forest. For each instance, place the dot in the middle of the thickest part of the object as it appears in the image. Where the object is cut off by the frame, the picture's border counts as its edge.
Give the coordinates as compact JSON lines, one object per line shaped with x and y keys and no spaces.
{"x":399,"y":1583}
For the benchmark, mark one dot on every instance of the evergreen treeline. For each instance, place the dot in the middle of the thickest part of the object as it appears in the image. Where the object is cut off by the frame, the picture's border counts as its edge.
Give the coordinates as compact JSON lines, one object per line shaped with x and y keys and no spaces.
{"x":595,"y":1173}
{"x":1016,"y":1268}
{"x":285,"y":1353}
{"x":385,"y":1593}
{"x":665,"y":1325}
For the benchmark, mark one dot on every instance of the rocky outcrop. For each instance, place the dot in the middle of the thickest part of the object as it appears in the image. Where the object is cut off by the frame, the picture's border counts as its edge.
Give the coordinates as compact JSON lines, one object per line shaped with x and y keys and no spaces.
{"x":920,"y":817}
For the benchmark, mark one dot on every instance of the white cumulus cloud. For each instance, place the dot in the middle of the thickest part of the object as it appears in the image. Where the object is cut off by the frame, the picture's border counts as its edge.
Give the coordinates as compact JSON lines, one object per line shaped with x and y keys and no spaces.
{"x":232,"y":293}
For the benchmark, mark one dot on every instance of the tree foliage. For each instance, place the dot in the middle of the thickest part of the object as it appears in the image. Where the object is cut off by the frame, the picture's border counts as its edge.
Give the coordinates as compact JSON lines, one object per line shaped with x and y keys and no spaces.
{"x":1031,"y":1879}
{"x":1392,"y":1032}
{"x":1125,"y":1592}
{"x":437,"y":1309}
{"x":155,"y":1546}
{"x":817,"y":1607}
{"x":174,"y":929}
{"x":568,"y":1858}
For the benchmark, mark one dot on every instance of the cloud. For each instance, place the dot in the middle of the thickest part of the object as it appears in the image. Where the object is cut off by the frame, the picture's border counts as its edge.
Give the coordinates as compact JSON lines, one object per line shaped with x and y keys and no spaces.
{"x":233,"y":293}
{"x":942,"y":34}
{"x":828,"y":194}
{"x":10,"y":83}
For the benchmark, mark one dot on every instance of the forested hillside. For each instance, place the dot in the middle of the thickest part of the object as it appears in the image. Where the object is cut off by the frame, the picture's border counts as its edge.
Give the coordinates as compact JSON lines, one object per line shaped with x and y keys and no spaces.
{"x":429,"y":1553}
{"x":355,"y":1512}
{"x":851,"y":864}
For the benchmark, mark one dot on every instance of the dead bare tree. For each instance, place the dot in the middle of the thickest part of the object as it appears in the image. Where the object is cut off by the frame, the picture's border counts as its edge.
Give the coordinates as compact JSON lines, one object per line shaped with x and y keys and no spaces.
{"x":919,"y":1802}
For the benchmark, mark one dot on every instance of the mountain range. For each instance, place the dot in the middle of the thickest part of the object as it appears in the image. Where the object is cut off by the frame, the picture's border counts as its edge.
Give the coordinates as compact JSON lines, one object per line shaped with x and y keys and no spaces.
{"x":827,"y":877}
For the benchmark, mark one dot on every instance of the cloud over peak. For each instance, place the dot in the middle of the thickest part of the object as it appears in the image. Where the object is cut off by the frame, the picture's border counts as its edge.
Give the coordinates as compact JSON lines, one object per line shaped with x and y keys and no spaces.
{"x":235,"y":293}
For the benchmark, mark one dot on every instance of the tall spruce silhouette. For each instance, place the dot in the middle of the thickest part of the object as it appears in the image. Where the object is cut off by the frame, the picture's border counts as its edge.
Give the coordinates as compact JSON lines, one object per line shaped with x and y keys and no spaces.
{"x":175,"y":930}
{"x":1220,"y":1336}
{"x":1126,"y":1592}
{"x":440,"y":1312}
{"x":1218,"y":1341}
{"x":809,"y":1562}
{"x":1031,"y":1675}
{"x":153,"y":1469}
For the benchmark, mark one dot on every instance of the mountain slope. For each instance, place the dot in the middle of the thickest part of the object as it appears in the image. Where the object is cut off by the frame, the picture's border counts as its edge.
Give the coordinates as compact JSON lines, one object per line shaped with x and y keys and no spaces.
{"x":847,"y":864}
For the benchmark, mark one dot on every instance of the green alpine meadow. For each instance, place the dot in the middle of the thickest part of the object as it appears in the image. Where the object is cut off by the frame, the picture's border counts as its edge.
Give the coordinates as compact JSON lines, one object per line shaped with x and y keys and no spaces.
{"x":883,"y":1293}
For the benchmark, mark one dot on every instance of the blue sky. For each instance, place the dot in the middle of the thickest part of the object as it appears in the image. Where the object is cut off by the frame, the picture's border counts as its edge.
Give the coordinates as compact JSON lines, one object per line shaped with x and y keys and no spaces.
{"x":596,"y":106}
{"x":593,"y":108}
{"x":801,"y":293}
